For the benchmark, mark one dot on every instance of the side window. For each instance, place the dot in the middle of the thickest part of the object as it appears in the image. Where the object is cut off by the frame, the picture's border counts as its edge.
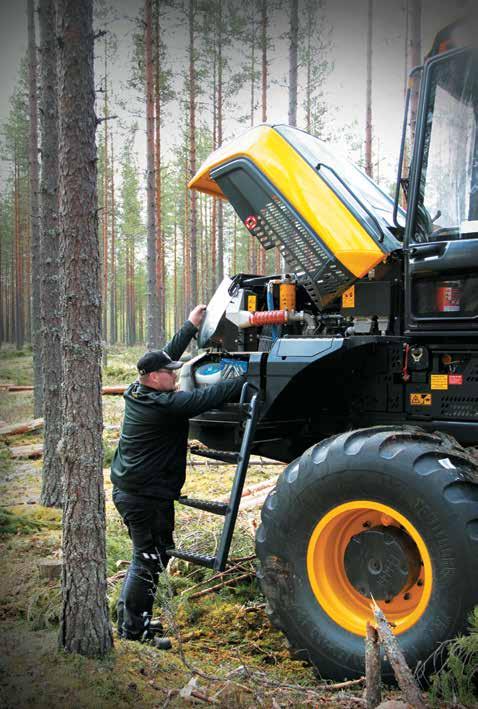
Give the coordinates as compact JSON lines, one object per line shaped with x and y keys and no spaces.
{"x":448,"y":201}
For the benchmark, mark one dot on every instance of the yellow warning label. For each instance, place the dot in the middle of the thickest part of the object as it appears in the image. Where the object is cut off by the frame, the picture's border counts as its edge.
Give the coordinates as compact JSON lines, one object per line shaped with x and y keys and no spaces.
{"x":348,"y":298}
{"x":420,"y":399}
{"x":252,"y":303}
{"x":439,"y":381}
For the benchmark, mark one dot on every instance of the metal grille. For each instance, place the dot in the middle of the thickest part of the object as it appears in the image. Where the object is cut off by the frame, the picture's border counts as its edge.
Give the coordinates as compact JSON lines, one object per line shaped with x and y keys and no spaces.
{"x":472,"y":374}
{"x":320,"y":275}
{"x":459,"y":406}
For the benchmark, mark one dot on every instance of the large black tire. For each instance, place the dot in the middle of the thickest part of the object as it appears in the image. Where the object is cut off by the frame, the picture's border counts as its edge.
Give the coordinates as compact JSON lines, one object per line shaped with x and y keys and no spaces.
{"x":430,"y":483}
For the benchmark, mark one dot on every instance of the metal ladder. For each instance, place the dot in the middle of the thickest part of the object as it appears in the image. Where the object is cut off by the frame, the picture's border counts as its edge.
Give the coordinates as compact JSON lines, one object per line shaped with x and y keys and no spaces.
{"x":228,"y":509}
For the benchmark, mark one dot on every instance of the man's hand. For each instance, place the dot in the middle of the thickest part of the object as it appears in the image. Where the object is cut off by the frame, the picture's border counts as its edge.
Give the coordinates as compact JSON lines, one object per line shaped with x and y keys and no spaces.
{"x":196,"y":316}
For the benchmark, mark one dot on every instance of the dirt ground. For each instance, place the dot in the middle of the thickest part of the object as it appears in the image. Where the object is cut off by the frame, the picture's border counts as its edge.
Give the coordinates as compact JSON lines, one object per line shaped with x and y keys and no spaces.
{"x":224,"y":650}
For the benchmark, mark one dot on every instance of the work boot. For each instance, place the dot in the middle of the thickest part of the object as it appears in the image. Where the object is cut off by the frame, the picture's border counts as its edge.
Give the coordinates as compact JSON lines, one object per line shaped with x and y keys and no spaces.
{"x":153,"y":639}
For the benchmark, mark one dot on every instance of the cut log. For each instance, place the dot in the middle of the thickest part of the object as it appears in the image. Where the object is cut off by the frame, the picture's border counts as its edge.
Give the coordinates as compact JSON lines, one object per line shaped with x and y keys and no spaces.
{"x":106,"y":390}
{"x":373,"y":693}
{"x":33,"y":451}
{"x":405,"y":678}
{"x":24,"y":427}
{"x":15,"y":387}
{"x":49,"y":568}
{"x":114,"y":390}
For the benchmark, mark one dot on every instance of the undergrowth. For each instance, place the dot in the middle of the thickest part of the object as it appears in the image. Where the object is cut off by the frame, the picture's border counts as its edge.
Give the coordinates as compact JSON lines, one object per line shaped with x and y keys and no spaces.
{"x":457,"y":680}
{"x":12,"y":522}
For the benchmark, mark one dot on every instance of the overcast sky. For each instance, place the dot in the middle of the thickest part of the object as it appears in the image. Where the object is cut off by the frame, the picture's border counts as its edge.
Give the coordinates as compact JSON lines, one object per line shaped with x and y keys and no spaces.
{"x":345,"y":87}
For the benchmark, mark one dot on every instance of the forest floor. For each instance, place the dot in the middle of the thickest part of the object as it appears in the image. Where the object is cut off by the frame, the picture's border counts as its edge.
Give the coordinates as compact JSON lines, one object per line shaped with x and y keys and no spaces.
{"x":224,"y":650}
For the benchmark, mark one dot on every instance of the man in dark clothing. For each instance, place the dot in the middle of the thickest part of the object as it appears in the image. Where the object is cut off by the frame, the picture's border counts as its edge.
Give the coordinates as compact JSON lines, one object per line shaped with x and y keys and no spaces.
{"x":149,"y":468}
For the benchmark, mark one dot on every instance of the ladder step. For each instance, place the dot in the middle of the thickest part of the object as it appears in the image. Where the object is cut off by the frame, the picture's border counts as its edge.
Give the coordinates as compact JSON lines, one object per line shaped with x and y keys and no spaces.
{"x":217,"y":508}
{"x":225,"y":456}
{"x":199,"y":559}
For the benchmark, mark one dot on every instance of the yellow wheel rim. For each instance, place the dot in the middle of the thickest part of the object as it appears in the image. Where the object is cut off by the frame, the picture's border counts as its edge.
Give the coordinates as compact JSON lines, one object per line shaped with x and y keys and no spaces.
{"x":328,"y":577}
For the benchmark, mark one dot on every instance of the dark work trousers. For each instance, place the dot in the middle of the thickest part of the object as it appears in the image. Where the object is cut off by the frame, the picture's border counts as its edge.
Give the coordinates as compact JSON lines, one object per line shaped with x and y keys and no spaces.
{"x":150,"y":523}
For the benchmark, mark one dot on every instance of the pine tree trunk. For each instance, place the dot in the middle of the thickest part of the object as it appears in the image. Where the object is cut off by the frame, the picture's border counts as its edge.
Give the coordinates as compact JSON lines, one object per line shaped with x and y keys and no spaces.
{"x":414,"y":57}
{"x":186,"y":276}
{"x":27,"y":258}
{"x":253,"y":61}
{"x":220,"y":205}
{"x":2,"y":293}
{"x":113,"y":289}
{"x":293,"y":63}
{"x":192,"y":157}
{"x":105,"y":214}
{"x":85,"y":626}
{"x":264,"y":21}
{"x":234,"y":246}
{"x":19,"y":311}
{"x":150,"y":186}
{"x":368,"y":99}
{"x":160,"y":290}
{"x":175,"y":276}
{"x":308,"y":86}
{"x":51,"y":493}
{"x":34,"y":216}
{"x":264,"y":59}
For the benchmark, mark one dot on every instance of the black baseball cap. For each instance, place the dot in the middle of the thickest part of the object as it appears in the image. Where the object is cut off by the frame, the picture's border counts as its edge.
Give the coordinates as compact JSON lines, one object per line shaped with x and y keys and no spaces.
{"x":157,"y":359}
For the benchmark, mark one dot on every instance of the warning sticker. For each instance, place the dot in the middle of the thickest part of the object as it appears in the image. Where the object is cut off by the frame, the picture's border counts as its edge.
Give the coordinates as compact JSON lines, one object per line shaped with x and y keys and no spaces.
{"x":252,"y":303}
{"x":456,"y":379}
{"x":439,"y":381}
{"x":420,"y":399}
{"x":348,"y":298}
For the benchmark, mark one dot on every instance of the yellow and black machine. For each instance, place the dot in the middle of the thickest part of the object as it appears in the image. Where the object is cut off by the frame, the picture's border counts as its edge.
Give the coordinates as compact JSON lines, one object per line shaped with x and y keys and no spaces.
{"x":362,"y":376}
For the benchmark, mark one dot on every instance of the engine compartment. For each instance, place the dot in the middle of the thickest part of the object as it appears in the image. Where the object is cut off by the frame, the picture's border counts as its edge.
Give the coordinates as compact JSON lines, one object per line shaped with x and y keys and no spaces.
{"x":249,"y":313}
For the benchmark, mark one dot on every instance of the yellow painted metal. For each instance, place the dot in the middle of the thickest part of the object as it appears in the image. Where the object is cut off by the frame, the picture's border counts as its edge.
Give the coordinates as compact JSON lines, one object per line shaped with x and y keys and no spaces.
{"x":328,"y":578}
{"x":348,"y":298}
{"x":287,"y":296}
{"x":252,"y":303}
{"x":304,"y":189}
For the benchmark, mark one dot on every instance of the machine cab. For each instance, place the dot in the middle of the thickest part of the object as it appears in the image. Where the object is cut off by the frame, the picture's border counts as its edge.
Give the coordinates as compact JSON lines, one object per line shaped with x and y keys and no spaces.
{"x":442,"y":230}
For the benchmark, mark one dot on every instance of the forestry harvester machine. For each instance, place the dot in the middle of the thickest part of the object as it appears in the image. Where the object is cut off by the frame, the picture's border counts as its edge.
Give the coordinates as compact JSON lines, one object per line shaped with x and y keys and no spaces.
{"x":361,"y":364}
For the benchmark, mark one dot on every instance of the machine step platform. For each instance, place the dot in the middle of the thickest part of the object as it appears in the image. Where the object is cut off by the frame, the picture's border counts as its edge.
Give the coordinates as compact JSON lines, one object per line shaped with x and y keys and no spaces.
{"x":224,"y":456}
{"x":216,"y":508}
{"x":193,"y":557}
{"x":231,"y":509}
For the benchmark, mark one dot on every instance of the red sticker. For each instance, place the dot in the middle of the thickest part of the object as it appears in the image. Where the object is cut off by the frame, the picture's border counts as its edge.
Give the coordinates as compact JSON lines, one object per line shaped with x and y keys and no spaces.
{"x":455,"y":379}
{"x":251,"y":222}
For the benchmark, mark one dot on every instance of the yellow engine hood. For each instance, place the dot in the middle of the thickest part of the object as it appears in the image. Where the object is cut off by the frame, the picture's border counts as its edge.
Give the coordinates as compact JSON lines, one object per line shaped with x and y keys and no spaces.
{"x":271,"y":177}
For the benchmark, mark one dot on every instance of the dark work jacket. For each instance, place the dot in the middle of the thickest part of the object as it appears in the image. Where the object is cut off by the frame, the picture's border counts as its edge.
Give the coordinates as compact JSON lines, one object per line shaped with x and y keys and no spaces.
{"x":151,"y":456}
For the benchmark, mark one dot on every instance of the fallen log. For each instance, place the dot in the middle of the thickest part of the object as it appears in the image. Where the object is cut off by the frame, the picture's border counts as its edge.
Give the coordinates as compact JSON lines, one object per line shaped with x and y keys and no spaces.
{"x":106,"y":390}
{"x":15,"y":429}
{"x":33,"y":451}
{"x":403,"y":674}
{"x":252,"y":462}
{"x":343,"y":685}
{"x":114,"y":390}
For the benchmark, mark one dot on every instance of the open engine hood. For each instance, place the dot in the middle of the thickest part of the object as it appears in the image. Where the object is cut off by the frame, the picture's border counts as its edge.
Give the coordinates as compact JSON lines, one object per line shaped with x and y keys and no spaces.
{"x":331,"y":222}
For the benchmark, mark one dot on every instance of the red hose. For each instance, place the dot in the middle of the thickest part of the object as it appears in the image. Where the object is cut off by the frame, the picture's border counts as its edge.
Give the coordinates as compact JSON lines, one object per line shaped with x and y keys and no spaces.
{"x":268,"y":317}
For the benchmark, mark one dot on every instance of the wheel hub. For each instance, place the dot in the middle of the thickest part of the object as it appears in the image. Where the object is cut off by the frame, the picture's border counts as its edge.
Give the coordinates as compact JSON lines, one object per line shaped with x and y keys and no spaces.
{"x":382,"y":562}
